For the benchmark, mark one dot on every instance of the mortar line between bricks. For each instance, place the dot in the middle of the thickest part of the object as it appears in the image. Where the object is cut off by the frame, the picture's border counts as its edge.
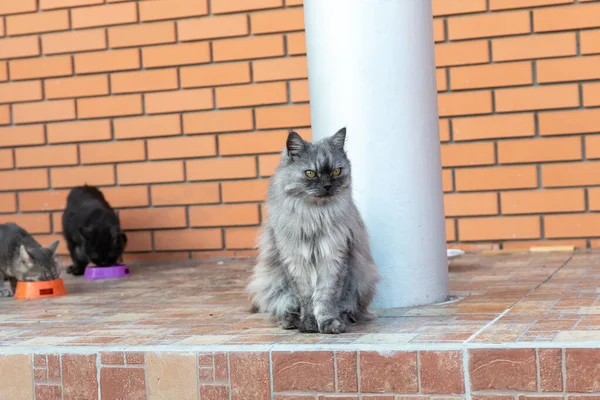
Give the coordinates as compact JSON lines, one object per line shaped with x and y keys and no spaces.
{"x":505,"y":312}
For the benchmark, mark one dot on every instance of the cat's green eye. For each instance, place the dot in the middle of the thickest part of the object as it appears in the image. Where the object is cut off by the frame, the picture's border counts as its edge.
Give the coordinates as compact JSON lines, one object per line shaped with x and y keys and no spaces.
{"x":310,"y":174}
{"x":336,"y":172}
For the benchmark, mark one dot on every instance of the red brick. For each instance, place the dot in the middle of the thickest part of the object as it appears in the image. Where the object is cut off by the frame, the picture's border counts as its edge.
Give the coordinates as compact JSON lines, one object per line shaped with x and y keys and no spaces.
{"x":224,"y":215}
{"x":184,"y":147}
{"x":52,"y":4}
{"x":578,"y":16}
{"x":496,"y":178}
{"x":537,"y":46}
{"x":443,"y":7}
{"x":461,"y":53}
{"x":465,"y":154}
{"x":109,"y":106}
{"x":244,"y":191}
{"x":279,"y":69}
{"x":439,"y":30}
{"x":109,"y":14}
{"x":221,"y":168}
{"x":252,"y":143}
{"x":594,"y":199}
{"x":20,"y":91}
{"x":296,"y":43}
{"x":56,"y":110}
{"x":569,"y":122}
{"x":228,"y":6}
{"x":346,"y":372}
{"x":503,"y":369}
{"x":99,"y":153}
{"x":572,"y":226}
{"x":496,"y":126}
{"x":74,"y":41}
{"x":179,"y":100}
{"x":185,"y":193}
{"x":486,"y":25}
{"x":250,"y":95}
{"x":494,"y":75}
{"x":299,"y":91}
{"x":8,"y":202}
{"x":153,"y":218}
{"x":139,"y":35}
{"x":537,"y":98}
{"x":571,"y":174}
{"x":248,"y":48}
{"x":468,"y":204}
{"x":215,"y":75}
{"x":100,"y":175}
{"x":48,"y":392}
{"x":21,"y":135}
{"x":592,"y":147}
{"x":267,"y":164}
{"x":508,"y":4}
{"x":450,"y":230}
{"x":214,"y":392}
{"x":568,"y":69}
{"x":156,"y":257}
{"x":289,"y":19}
{"x":144,"y":81}
{"x":114,"y":358}
{"x":12,"y":7}
{"x":40,"y":67}
{"x":441,"y":372}
{"x":305,"y":371}
{"x":542,"y":201}
{"x":539,"y":150}
{"x":441,"y":80}
{"x":217,"y":121}
{"x":171,"y":9}
{"x":147,"y":126}
{"x":102,"y":61}
{"x":294,"y":116}
{"x":37,"y":23}
{"x":241,"y":238}
{"x":46,"y":156}
{"x":78,"y":131}
{"x":19,"y":47}
{"x":591,"y":95}
{"x":4,"y":115}
{"x":499,"y":228}
{"x":590,"y":41}
{"x":121,"y":383}
{"x":156,"y":172}
{"x":6,"y":159}
{"x":396,"y":372}
{"x":213,"y":27}
{"x":175,"y":55}
{"x":551,"y":377}
{"x":3,"y":71}
{"x":134,"y":358}
{"x":583,"y":369}
{"x":79,"y":376}
{"x":194,"y":239}
{"x":32,"y":223}
{"x":80,"y":86}
{"x":466,"y":103}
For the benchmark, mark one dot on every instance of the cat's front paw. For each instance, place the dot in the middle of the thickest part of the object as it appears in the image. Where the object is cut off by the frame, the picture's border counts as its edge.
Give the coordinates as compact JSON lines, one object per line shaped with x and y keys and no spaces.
{"x":308,"y":324}
{"x":75,"y":271}
{"x":290,"y":321}
{"x":332,"y":326}
{"x":6,"y":292}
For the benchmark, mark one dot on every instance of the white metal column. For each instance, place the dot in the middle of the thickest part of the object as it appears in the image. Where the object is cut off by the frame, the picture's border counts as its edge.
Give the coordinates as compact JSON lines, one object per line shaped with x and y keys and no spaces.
{"x":372,"y":69}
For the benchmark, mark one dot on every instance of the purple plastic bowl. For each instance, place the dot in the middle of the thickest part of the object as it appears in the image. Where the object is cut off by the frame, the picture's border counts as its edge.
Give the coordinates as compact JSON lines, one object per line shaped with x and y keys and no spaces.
{"x":115,"y":271}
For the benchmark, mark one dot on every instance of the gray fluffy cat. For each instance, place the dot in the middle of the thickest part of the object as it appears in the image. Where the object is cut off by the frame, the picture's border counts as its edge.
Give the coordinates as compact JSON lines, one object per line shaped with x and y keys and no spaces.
{"x":24,"y":259}
{"x":315,"y":271}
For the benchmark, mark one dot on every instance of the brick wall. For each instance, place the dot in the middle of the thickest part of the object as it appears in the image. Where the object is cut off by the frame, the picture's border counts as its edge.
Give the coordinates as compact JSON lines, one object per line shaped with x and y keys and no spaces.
{"x":178,"y":109}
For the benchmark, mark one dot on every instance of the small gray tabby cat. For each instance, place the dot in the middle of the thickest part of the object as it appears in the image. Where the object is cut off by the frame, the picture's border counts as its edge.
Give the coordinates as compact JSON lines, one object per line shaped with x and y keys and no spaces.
{"x":24,"y":259}
{"x":314,"y":271}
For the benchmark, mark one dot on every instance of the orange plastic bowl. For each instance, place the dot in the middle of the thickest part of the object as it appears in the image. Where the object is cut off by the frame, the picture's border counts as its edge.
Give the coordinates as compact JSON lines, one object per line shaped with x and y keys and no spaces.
{"x":40,"y":290}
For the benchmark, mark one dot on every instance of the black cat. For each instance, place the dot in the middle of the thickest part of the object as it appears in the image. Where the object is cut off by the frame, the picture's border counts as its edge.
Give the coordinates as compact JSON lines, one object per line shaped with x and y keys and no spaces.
{"x":92,"y":230}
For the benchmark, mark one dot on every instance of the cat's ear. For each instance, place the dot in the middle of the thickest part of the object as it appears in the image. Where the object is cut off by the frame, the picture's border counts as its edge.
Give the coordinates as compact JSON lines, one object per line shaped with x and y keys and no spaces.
{"x":24,"y":254}
{"x":86,"y":232}
{"x":295,"y":144}
{"x":53,"y":247}
{"x":339,"y":139}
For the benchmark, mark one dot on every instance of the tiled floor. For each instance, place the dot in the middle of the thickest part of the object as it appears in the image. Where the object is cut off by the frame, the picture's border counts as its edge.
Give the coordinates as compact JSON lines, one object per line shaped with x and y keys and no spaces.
{"x":522,"y":326}
{"x":517,"y":298}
